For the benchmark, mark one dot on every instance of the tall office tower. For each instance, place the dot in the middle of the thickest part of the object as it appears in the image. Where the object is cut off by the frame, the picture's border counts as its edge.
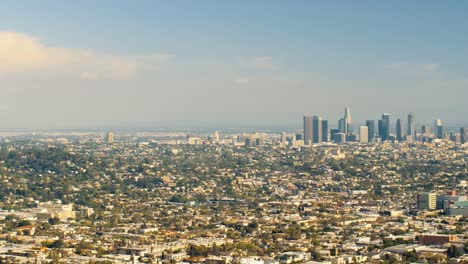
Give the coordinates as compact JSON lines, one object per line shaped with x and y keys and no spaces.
{"x":110,"y":137}
{"x":283,"y":138}
{"x":385,"y":127}
{"x":427,"y":201}
{"x":438,"y":129}
{"x":426,"y":130}
{"x":440,"y":132}
{"x":364,"y":134}
{"x":343,"y":126}
{"x":325,"y":131}
{"x":347,"y":116}
{"x":299,"y":137}
{"x":454,"y":136}
{"x":411,"y":131}
{"x":380,"y":128}
{"x":317,"y":129}
{"x":371,"y":129}
{"x":216,"y":136}
{"x":399,"y":130}
{"x":308,"y":130}
{"x":339,"y":138}
{"x":463,"y":134}
{"x":333,"y":132}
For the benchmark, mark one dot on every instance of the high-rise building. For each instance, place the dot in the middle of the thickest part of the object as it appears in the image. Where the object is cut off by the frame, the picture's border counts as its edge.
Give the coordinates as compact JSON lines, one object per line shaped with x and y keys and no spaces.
{"x":343,"y":125}
{"x":425,"y":134}
{"x":364,"y":134}
{"x":371,"y":129}
{"x":399,"y":130}
{"x":426,"y":130}
{"x":463,"y":135}
{"x":347,"y":116}
{"x":427,"y":201}
{"x":325,"y":131}
{"x":299,"y":137}
{"x":411,"y":132}
{"x":317,"y":129}
{"x":339,"y":137}
{"x":385,"y":127}
{"x":110,"y":137}
{"x":380,"y":128}
{"x":308,"y":130}
{"x":455,"y":137}
{"x":438,"y":129}
{"x":440,"y":132}
{"x":333,"y":132}
{"x":284,"y":137}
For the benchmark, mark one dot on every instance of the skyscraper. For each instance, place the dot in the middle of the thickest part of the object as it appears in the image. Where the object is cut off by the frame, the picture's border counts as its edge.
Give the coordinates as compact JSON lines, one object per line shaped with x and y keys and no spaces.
{"x":325,"y":131}
{"x":371,"y":129}
{"x":308,"y":130}
{"x":463,"y":135}
{"x":380,"y":128}
{"x":385,"y":127}
{"x":343,"y":126}
{"x":317,"y":129}
{"x":333,"y":132}
{"x":364,"y":134}
{"x":399,"y":130}
{"x":438,"y":129}
{"x":110,"y":137}
{"x":347,"y":116}
{"x":283,"y":138}
{"x":426,"y":130}
{"x":411,"y":132}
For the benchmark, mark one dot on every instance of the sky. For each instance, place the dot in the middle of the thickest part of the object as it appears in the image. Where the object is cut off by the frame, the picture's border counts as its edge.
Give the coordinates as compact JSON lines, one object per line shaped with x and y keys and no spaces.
{"x":122,"y":64}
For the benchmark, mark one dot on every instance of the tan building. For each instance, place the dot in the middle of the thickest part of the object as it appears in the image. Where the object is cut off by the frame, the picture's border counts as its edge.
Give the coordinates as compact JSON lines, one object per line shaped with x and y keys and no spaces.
{"x":427,"y":201}
{"x":110,"y":137}
{"x":51,"y":210}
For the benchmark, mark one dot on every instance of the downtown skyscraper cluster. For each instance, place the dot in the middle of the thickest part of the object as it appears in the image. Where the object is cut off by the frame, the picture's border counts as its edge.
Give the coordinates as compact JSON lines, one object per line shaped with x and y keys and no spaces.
{"x":315,"y":131}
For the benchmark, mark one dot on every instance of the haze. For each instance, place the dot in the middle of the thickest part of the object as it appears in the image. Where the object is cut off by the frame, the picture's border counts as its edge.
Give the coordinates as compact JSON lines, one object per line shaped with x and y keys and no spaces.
{"x":121,"y":64}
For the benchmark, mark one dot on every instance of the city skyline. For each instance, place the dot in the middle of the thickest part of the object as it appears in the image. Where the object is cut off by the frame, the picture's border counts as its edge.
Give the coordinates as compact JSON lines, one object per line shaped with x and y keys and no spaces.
{"x":315,"y":131}
{"x":233,"y":132}
{"x":87,"y":64}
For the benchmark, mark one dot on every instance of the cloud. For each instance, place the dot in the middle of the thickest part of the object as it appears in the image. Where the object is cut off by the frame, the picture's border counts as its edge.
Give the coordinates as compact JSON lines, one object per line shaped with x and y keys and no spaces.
{"x":257,"y":63}
{"x":20,"y":53}
{"x":413,"y":68}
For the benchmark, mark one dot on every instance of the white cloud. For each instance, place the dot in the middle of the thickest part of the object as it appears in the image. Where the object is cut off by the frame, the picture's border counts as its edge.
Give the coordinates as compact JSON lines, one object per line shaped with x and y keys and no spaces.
{"x":257,"y":63}
{"x":21,"y":53}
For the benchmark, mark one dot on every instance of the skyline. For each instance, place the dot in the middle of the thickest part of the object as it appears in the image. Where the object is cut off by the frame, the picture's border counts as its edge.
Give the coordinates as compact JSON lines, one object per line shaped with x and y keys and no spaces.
{"x":296,"y":125}
{"x":87,"y":64}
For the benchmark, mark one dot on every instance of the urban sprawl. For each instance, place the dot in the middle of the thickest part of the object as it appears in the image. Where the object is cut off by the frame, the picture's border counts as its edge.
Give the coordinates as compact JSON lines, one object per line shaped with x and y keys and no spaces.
{"x":374,"y":194}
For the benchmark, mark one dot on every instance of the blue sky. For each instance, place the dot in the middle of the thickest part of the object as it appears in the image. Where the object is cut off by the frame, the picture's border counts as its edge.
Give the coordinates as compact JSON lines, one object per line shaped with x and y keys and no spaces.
{"x":250,"y":62}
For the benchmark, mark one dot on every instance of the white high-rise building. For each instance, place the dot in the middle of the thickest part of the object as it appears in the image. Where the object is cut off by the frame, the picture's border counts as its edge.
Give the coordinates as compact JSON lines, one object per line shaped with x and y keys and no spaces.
{"x":347,"y":117}
{"x":363,"y":134}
